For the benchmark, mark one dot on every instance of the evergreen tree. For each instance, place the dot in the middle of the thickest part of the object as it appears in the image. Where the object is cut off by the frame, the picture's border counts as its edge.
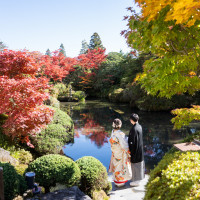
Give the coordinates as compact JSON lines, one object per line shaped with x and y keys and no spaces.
{"x":95,"y":42}
{"x":62,"y":49}
{"x":2,"y":46}
{"x":48,"y":52}
{"x":84,"y":48}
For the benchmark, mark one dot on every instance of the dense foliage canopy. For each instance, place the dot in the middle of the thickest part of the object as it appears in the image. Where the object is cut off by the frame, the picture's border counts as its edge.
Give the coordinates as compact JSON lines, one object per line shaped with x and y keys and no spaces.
{"x":174,"y":42}
{"x":22,"y":94}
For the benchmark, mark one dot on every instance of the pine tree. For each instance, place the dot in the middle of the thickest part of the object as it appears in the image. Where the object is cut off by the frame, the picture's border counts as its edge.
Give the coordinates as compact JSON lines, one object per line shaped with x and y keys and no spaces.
{"x":95,"y":42}
{"x":48,"y":52}
{"x":62,"y":49}
{"x":2,"y":46}
{"x":84,"y":48}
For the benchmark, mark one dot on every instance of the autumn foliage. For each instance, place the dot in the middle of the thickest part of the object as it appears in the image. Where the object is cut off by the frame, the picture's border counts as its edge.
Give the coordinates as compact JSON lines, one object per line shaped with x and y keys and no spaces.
{"x":92,"y":59}
{"x":90,"y":63}
{"x":57,"y":66}
{"x":169,"y":32}
{"x":182,"y":11}
{"x":22,"y":94}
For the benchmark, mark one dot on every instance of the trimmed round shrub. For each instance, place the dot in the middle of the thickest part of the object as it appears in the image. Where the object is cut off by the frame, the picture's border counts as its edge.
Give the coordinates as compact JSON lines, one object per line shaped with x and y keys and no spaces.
{"x":14,"y":184}
{"x":93,"y":175}
{"x":52,"y":169}
{"x":176,"y":177}
{"x":61,"y":117}
{"x":51,"y":139}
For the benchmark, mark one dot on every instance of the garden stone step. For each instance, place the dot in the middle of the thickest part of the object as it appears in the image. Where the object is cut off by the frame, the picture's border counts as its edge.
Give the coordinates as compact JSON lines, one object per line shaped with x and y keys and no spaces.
{"x":72,"y":193}
{"x":127,"y":192}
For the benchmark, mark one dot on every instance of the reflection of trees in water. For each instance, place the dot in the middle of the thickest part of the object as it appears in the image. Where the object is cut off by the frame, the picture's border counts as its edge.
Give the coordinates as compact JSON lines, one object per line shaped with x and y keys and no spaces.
{"x":94,"y":120}
{"x":92,"y":130}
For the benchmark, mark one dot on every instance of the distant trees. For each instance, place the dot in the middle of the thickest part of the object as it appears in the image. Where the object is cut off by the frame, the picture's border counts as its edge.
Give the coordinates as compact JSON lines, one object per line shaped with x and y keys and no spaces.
{"x":84,"y":47}
{"x":48,"y":52}
{"x":95,"y":42}
{"x":2,"y":46}
{"x":62,"y":49}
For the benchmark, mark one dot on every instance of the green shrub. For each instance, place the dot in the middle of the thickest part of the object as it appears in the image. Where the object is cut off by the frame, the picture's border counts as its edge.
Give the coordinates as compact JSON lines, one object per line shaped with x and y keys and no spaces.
{"x":52,"y":169}
{"x":21,"y":168}
{"x":53,"y":101}
{"x":24,"y":157}
{"x":6,"y":142}
{"x":93,"y":175}
{"x":55,"y":135}
{"x":80,"y":95}
{"x":176,"y":177}
{"x":114,"y":96}
{"x":192,"y":137}
{"x":62,"y":89}
{"x":60,"y":117}
{"x":14,"y":183}
{"x":51,"y":139}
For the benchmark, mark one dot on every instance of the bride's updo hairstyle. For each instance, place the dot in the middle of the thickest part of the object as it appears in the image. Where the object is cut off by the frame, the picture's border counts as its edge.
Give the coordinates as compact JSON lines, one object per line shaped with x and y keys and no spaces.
{"x":117,"y":124}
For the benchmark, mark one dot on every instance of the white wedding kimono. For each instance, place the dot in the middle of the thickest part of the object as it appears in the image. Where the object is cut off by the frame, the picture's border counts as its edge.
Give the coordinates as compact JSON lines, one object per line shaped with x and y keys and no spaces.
{"x":120,"y":164}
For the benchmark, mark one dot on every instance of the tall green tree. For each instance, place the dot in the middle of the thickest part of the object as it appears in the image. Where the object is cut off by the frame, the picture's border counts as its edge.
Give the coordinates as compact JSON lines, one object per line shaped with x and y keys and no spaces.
{"x":175,"y":69}
{"x":95,"y":42}
{"x":84,"y":47}
{"x":62,"y":49}
{"x":48,"y":52}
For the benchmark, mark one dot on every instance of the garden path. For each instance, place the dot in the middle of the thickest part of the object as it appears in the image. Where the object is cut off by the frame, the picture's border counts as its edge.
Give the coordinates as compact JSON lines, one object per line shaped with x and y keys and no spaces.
{"x":127,"y":192}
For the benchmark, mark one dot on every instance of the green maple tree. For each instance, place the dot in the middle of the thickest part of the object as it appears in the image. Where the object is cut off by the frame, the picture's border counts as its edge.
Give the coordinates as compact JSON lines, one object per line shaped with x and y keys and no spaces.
{"x":175,"y":68}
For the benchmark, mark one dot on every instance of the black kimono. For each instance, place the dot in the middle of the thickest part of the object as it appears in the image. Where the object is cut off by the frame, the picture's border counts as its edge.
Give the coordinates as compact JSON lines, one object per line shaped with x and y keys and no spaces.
{"x":135,"y":142}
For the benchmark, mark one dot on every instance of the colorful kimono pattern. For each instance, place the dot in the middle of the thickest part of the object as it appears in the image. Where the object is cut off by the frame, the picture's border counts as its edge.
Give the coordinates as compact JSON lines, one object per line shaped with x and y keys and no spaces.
{"x":120,"y":164}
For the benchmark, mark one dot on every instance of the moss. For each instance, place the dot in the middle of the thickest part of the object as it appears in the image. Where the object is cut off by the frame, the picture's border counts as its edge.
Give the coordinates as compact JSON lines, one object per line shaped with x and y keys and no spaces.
{"x":93,"y":175}
{"x":52,"y":169}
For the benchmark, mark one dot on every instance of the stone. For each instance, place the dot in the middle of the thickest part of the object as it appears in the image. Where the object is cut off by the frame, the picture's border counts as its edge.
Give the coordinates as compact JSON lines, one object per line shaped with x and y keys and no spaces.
{"x":6,"y":157}
{"x":72,"y":193}
{"x":100,"y":195}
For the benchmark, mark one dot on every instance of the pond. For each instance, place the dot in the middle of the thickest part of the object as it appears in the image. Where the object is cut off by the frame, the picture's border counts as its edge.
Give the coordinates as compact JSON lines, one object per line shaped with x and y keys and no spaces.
{"x":93,"y":126}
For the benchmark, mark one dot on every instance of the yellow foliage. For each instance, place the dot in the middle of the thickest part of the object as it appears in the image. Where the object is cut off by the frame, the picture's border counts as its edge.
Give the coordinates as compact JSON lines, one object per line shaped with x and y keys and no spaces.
{"x":182,"y":11}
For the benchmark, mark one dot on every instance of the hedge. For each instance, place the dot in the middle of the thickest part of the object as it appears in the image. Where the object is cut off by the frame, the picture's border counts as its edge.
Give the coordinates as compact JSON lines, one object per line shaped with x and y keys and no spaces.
{"x":175,"y":177}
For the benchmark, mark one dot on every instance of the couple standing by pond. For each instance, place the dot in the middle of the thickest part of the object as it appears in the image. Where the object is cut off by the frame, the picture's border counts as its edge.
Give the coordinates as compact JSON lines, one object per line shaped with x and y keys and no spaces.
{"x":127,"y":160}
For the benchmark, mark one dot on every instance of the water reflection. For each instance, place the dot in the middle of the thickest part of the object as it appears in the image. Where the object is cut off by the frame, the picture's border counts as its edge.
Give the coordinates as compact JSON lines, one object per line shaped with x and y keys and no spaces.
{"x":93,"y":122}
{"x":91,"y":129}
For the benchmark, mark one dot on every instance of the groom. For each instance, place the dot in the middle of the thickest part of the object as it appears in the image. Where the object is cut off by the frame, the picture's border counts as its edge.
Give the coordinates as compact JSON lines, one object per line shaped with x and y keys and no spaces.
{"x":135,"y":141}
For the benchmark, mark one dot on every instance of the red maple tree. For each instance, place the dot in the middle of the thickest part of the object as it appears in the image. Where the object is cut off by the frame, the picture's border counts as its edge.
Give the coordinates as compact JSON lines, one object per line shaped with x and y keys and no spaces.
{"x":57,"y":66}
{"x":22,"y":94}
{"x":90,"y":63}
{"x":92,"y":59}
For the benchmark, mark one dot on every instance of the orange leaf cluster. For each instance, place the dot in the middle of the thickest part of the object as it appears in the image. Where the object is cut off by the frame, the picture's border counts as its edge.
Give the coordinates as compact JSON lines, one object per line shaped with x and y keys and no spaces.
{"x":182,"y":11}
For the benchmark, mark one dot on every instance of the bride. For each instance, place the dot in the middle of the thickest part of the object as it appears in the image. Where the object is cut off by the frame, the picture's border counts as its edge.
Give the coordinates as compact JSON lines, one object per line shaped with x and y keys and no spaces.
{"x":120,"y":164}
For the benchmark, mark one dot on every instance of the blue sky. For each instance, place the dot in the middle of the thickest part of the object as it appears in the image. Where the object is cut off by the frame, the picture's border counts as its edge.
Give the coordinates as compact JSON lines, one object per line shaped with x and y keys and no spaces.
{"x":41,"y":24}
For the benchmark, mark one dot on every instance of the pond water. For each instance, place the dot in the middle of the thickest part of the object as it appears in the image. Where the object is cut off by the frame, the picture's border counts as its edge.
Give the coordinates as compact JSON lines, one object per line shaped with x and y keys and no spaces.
{"x":93,"y":128}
